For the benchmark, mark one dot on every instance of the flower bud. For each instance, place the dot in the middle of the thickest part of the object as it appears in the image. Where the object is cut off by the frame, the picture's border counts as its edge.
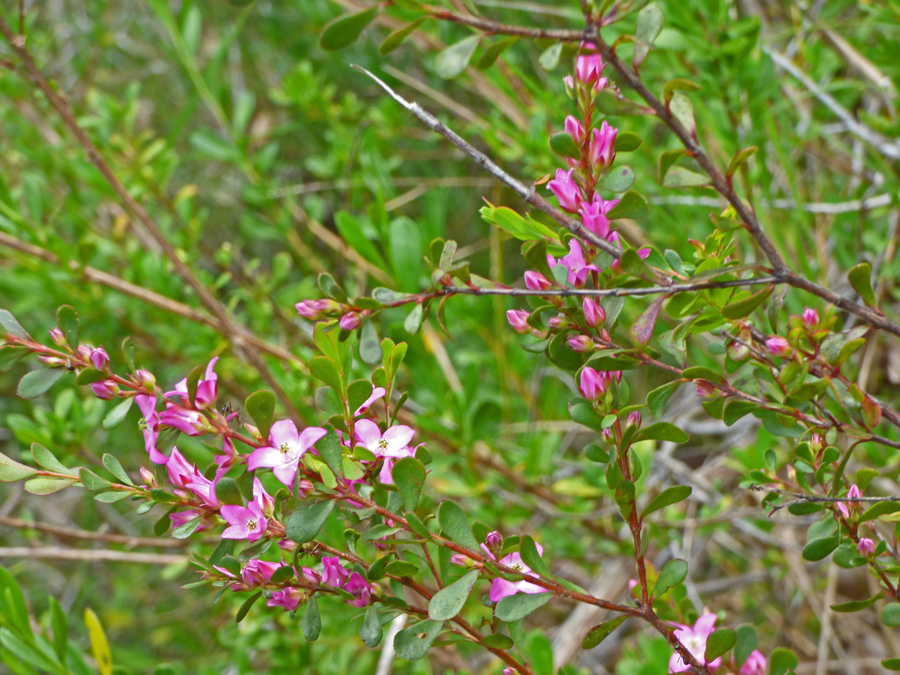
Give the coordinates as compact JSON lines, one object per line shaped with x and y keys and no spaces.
{"x":594,"y":314}
{"x":581,"y":343}
{"x":58,"y":337}
{"x":53,"y":361}
{"x":865,"y":546}
{"x":148,"y":477}
{"x":84,"y":351}
{"x":105,"y":390}
{"x":589,"y":67}
{"x":592,"y":384}
{"x":99,"y":358}
{"x":816,"y":443}
{"x":535,"y":281}
{"x":311,"y":309}
{"x":634,"y":419}
{"x":559,"y":323}
{"x":350,"y":321}
{"x":778,"y":346}
{"x":603,"y":146}
{"x":494,"y":540}
{"x":518,"y":319}
{"x":145,"y":378}
{"x":705,"y":388}
{"x":810,"y":318}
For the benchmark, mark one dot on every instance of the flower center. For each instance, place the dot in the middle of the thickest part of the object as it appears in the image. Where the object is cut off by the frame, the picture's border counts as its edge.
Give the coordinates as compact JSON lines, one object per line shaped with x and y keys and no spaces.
{"x":382,"y":444}
{"x":284,"y":448}
{"x":251,"y":524}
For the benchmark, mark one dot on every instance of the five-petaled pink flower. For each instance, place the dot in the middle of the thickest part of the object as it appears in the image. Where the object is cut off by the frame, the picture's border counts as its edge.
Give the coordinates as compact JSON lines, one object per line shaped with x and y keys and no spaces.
{"x":501,"y":588}
{"x":391,"y":445}
{"x":359,"y":589}
{"x":249,"y":522}
{"x":333,"y":574}
{"x":578,"y":269}
{"x":286,"y":447}
{"x":694,"y":640}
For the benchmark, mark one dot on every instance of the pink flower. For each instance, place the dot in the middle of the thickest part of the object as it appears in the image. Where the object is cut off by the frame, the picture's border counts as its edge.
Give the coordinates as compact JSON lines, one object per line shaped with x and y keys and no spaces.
{"x":150,"y":427}
{"x":391,"y":445}
{"x":778,"y":346}
{"x":518,"y":319}
{"x":286,"y":447}
{"x":190,"y":422}
{"x":105,"y":389}
{"x":288,"y":598}
{"x":594,"y":314}
{"x":207,"y":389}
{"x":566,"y":191}
{"x":865,"y":546}
{"x":575,"y":129}
{"x":334,"y":574}
{"x":350,"y":321}
{"x":578,"y":269}
{"x":359,"y":589}
{"x":810,"y":318}
{"x":592,"y":384}
{"x":536,"y":281}
{"x":99,"y":358}
{"x":694,"y":639}
{"x":247,"y":522}
{"x":589,"y":67}
{"x":603,"y":146}
{"x":501,"y":588}
{"x":756,"y":664}
{"x":377,"y":393}
{"x":257,"y":572}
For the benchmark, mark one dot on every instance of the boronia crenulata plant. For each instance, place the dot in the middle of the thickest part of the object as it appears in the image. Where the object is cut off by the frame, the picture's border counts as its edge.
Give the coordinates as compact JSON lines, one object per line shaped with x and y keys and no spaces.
{"x":277,"y":479}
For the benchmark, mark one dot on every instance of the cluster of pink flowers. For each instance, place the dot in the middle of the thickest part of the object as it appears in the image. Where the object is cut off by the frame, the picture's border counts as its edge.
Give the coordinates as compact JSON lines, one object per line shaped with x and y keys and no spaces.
{"x":694,"y":639}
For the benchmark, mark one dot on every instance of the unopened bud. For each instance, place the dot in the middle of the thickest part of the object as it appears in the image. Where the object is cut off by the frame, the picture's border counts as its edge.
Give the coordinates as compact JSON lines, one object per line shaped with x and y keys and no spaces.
{"x":581,"y":343}
{"x":594,"y":314}
{"x":53,"y":361}
{"x":535,"y":281}
{"x":99,"y":358}
{"x":58,"y":337}
{"x":105,"y":390}
{"x":810,"y":318}
{"x":350,"y":321}
{"x":148,"y":477}
{"x":145,"y":378}
{"x":592,"y":384}
{"x":778,"y":346}
{"x":634,"y":419}
{"x":518,"y":319}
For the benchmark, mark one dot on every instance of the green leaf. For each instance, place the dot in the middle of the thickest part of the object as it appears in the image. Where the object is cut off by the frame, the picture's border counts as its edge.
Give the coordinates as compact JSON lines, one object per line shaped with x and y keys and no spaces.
{"x":649,"y":23}
{"x":260,"y":405}
{"x":891,"y":664}
{"x":531,"y":557}
{"x":327,"y":370}
{"x":312,"y":622}
{"x":631,"y":205}
{"x":401,"y":568}
{"x":736,"y":409}
{"x":12,"y":471}
{"x":663,"y":431}
{"x":115,"y":468}
{"x":627,"y":141}
{"x":673,"y":573}
{"x":549,"y":58}
{"x":656,"y":399}
{"x":413,"y":322}
{"x":454,"y":59}
{"x":747,"y":641}
{"x":890,"y":614}
{"x":414,"y":642}
{"x":667,"y":497}
{"x":821,"y":548}
{"x":117,"y":414}
{"x":9,"y":356}
{"x":344,"y":30}
{"x":128,"y":353}
{"x":492,"y":53}
{"x":187,"y":529}
{"x":719,"y":642}
{"x":454,"y":523}
{"x":92,"y":481}
{"x":741,"y":308}
{"x":89,"y":376}
{"x":112,"y":496}
{"x":497,"y":641}
{"x":395,"y":39}
{"x":683,"y":110}
{"x":409,"y":477}
{"x":600,"y":632}
{"x":369,"y":345}
{"x":36,"y":382}
{"x":331,"y":451}
{"x":609,"y":102}
{"x":678,"y":83}
{"x":10,"y":326}
{"x":563,"y":144}
{"x":860,"y":278}
{"x":857,"y":605}
{"x":47,"y":460}
{"x":781,"y":661}
{"x":619,"y":179}
{"x":305,"y":522}
{"x":520,"y":605}
{"x":370,"y":630}
{"x":679,"y":177}
{"x":406,"y":254}
{"x":67,"y":320}
{"x":739,"y":159}
{"x":60,"y":627}
{"x":99,"y":644}
{"x":447,"y":602}
{"x":244,"y":608}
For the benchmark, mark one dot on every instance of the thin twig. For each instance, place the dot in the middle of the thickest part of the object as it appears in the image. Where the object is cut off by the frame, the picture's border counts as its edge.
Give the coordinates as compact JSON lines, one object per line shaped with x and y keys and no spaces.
{"x":92,"y":555}
{"x":68,"y":533}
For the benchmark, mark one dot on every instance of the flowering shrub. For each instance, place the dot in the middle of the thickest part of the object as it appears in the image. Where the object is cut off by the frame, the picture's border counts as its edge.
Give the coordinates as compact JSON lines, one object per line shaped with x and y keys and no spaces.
{"x":343,"y":505}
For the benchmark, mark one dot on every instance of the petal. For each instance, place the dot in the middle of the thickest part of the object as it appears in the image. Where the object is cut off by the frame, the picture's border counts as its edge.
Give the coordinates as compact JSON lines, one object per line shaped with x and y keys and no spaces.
{"x":283,"y":431}
{"x":704,"y":625}
{"x":286,"y":472}
{"x":398,"y":436}
{"x":501,"y":588}
{"x":529,"y":588}
{"x":367,"y":433}
{"x":268,"y":456}
{"x":210,"y":373}
{"x":309,"y":436}
{"x":235,"y":532}
{"x":235,"y":514}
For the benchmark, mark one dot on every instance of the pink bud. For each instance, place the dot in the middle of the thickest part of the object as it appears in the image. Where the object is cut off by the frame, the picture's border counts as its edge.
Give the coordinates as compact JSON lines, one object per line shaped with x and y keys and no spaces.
{"x":58,"y":337}
{"x":309,"y":309}
{"x":84,"y":351}
{"x":350,"y":321}
{"x":575,"y":129}
{"x":145,"y":378}
{"x":589,"y":67}
{"x":558,"y":323}
{"x":810,"y":318}
{"x":148,"y":477}
{"x":581,"y":343}
{"x":494,"y":540}
{"x":634,"y":419}
{"x":816,"y":443}
{"x":594,"y":314}
{"x":705,"y":388}
{"x":865,"y":546}
{"x":756,"y":664}
{"x":105,"y":389}
{"x":52,"y":361}
{"x":603,"y":146}
{"x":592,"y":384}
{"x":535,"y":281}
{"x":778,"y":346}
{"x":99,"y":358}
{"x":518,"y":319}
